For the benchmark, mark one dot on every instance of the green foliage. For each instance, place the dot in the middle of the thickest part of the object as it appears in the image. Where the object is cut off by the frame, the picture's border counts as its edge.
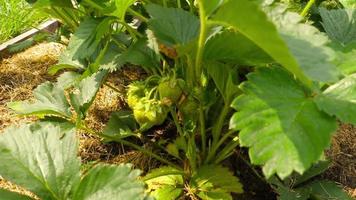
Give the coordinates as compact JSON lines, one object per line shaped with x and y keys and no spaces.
{"x":16,"y":17}
{"x":121,"y":125}
{"x":208,"y":182}
{"x":12,"y":195}
{"x":340,"y":24}
{"x":173,"y":26}
{"x":239,"y":50}
{"x":215,"y":182}
{"x":197,"y":56}
{"x":232,"y":14}
{"x":342,"y":94}
{"x":45,"y":159}
{"x":84,"y":94}
{"x":45,"y":156}
{"x":50,"y":100}
{"x":280,"y":123}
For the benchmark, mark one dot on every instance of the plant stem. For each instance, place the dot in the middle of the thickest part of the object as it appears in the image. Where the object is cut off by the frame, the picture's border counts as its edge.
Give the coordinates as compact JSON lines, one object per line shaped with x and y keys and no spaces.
{"x":216,"y":146}
{"x":307,"y":8}
{"x":138,"y":15}
{"x":202,"y":129}
{"x":202,"y":38}
{"x":198,"y":70}
{"x":135,"y":146}
{"x":176,"y":122}
{"x":220,"y":123}
{"x":113,"y":88}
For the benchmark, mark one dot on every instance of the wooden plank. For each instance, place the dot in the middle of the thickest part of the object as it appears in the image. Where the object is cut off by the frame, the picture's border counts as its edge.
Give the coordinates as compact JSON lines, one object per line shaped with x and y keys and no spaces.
{"x":48,"y":26}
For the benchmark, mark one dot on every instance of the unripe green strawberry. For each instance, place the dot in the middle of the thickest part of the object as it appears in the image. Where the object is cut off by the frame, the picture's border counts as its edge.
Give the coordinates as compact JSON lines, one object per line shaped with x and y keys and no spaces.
{"x":171,"y":89}
{"x":135,"y":92}
{"x":149,"y":113}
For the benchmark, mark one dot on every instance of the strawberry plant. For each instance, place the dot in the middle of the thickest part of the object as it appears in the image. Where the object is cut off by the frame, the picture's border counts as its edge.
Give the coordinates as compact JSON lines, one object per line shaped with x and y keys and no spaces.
{"x":227,"y":73}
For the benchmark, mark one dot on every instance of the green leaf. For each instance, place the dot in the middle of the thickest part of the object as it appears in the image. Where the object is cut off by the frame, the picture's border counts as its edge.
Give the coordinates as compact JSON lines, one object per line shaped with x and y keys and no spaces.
{"x":167,"y":192}
{"x":280,"y":123}
{"x":49,"y":100}
{"x":285,"y":193}
{"x":215,"y":182}
{"x":112,"y":59}
{"x":67,"y":79}
{"x":306,"y":43}
{"x":165,"y":182}
{"x":53,"y":3}
{"x":224,"y":77}
{"x":340,"y":100}
{"x":327,"y":190}
{"x":348,"y":3}
{"x":71,"y":65}
{"x":121,"y":125}
{"x":339,"y":24}
{"x":121,"y":8}
{"x":260,"y":30}
{"x":238,"y":50}
{"x":110,"y":182}
{"x":84,"y":42}
{"x":7,"y":195}
{"x":300,"y":48}
{"x":211,"y":5}
{"x":84,"y":94}
{"x":315,"y":170}
{"x":173,"y":26}
{"x":346,"y":58}
{"x":156,"y":174}
{"x":140,"y":54}
{"x":41,"y":158}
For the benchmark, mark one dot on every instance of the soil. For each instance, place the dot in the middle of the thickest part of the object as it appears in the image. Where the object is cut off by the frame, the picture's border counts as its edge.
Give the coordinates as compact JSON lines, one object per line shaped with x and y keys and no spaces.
{"x":23,"y":72}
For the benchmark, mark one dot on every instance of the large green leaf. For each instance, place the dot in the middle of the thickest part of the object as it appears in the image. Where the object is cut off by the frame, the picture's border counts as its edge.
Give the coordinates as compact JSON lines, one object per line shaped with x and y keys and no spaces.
{"x":49,"y":100}
{"x":211,"y":5}
{"x":7,"y":195}
{"x":140,"y":54}
{"x":233,"y":47}
{"x":173,"y":26}
{"x":41,"y":158}
{"x":67,"y":79}
{"x":53,"y":3}
{"x":110,"y":182}
{"x":165,"y":183}
{"x":84,"y":42}
{"x":346,"y":58}
{"x":307,"y":44}
{"x":348,"y":3}
{"x":224,"y":77}
{"x":215,"y":182}
{"x":121,"y":125}
{"x":340,"y":100}
{"x":121,"y":8}
{"x":298,"y":47}
{"x":280,"y":122}
{"x":327,"y":190}
{"x":84,"y":94}
{"x":340,"y":24}
{"x":260,"y":30}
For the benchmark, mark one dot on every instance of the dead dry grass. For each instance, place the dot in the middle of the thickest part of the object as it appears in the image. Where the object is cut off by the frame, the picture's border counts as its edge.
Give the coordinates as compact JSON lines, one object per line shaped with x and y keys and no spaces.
{"x":343,"y":158}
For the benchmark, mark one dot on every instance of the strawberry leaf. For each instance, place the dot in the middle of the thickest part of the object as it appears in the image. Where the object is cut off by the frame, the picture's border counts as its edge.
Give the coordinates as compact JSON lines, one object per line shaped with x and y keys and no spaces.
{"x":50,"y":100}
{"x":280,"y":123}
{"x":340,"y":100}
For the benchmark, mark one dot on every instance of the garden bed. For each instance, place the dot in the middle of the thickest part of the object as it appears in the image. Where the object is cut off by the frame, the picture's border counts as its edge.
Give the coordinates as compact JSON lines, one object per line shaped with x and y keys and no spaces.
{"x":21,"y":73}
